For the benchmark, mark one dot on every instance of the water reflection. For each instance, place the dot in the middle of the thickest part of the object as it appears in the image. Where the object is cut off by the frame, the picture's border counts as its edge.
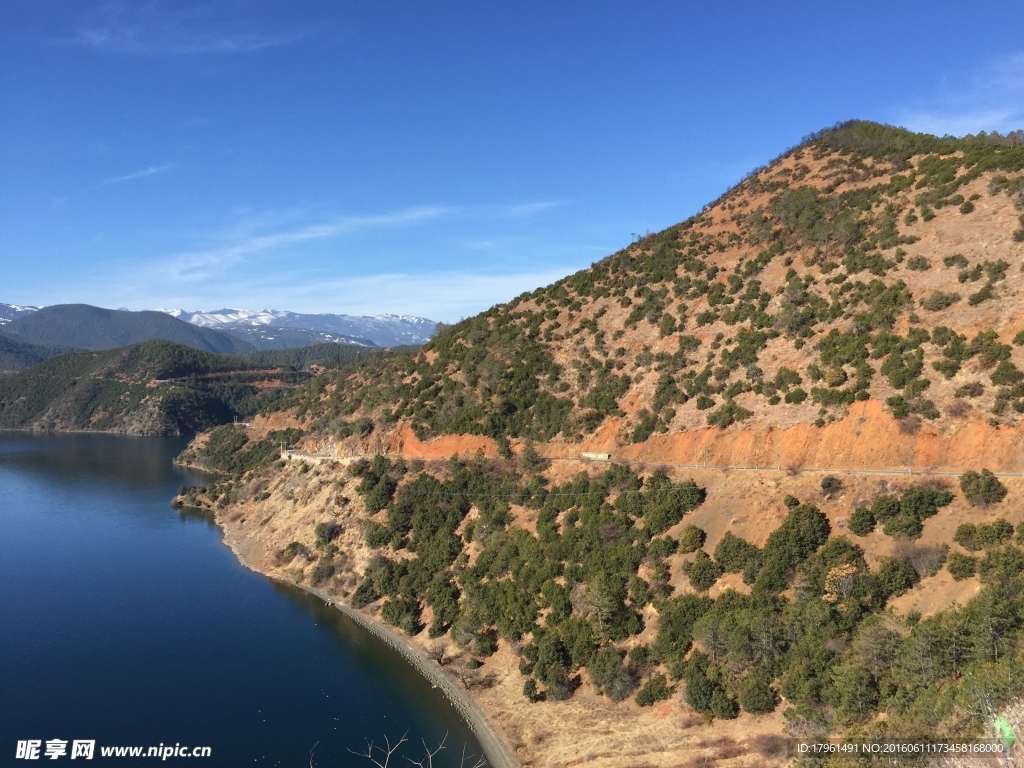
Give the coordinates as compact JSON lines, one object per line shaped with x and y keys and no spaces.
{"x":130,"y":622}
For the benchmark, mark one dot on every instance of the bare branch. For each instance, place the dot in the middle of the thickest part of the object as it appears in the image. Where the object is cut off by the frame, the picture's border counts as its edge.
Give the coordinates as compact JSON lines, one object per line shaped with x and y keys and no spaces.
{"x":427,"y":761}
{"x":387,"y":752}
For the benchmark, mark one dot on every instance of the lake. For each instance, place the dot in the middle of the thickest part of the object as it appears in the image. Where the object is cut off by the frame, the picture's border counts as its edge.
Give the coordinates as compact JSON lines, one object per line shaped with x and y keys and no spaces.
{"x":126,"y":622}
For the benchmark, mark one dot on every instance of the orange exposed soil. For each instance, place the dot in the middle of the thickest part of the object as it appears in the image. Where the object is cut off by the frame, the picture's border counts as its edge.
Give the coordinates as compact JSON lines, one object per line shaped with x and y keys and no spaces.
{"x":867,"y":438}
{"x":444,"y":447}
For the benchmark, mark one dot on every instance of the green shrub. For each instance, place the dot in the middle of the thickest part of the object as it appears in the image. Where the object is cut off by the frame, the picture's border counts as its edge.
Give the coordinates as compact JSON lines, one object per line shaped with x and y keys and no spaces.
{"x":530,"y":690}
{"x":691,"y":538}
{"x":733,"y":553}
{"x":293,"y":550}
{"x":404,"y":613}
{"x":861,"y":522}
{"x":979,"y":537}
{"x":1001,"y":564}
{"x":699,"y":689}
{"x":321,"y":572}
{"x":723,"y":706}
{"x":756,"y":694}
{"x":895,"y":576}
{"x":655,"y":689}
{"x":984,"y":294}
{"x":831,"y":485}
{"x":663,"y":547}
{"x":728,"y":414}
{"x":326,"y":533}
{"x":795,"y":396}
{"x":703,"y":572}
{"x":961,"y":566}
{"x":982,"y":488}
{"x":939,"y":300}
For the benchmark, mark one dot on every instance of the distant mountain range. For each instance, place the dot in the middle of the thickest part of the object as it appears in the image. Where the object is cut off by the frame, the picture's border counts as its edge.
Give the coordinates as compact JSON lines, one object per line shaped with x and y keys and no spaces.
{"x":257,"y":329}
{"x":275,"y":329}
{"x":86,"y":327}
{"x":9,"y":312}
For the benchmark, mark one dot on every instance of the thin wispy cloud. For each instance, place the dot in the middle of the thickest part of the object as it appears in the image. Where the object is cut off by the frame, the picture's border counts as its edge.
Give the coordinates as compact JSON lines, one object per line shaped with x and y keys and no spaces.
{"x":277,"y":258}
{"x":258,"y":233}
{"x":987,"y":98}
{"x":446,"y":296}
{"x":169,"y":29}
{"x":153,"y":170}
{"x":524,"y":210}
{"x":203,"y":263}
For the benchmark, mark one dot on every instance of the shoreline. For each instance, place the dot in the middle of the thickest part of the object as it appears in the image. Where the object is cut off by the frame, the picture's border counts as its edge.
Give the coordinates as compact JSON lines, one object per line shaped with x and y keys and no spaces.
{"x":495,"y":750}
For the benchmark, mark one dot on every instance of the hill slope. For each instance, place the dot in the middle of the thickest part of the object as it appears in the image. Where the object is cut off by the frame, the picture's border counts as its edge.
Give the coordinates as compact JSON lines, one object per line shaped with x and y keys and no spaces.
{"x":155,"y":387}
{"x":844,"y":271}
{"x":846,"y":316}
{"x":16,"y":354}
{"x":386,"y":330}
{"x":87,"y":327}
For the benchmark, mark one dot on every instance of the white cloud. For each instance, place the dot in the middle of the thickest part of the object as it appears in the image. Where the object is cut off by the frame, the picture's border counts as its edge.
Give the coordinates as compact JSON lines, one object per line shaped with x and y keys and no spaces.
{"x":959,"y":124}
{"x":524,"y":210}
{"x":988,"y":98}
{"x":207,"y":263}
{"x":152,"y":170}
{"x":157,"y":28}
{"x":276,"y":258}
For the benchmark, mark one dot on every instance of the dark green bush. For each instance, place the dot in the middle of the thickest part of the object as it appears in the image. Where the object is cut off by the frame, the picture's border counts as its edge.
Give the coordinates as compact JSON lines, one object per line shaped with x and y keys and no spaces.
{"x":691,"y":538}
{"x":655,"y":689}
{"x":961,"y":566}
{"x":896,"y":575}
{"x":982,"y":488}
{"x":723,"y":706}
{"x":861,"y":522}
{"x":979,"y":537}
{"x":756,"y":694}
{"x":939,"y":300}
{"x":831,"y":485}
{"x":733,"y":553}
{"x":703,"y":572}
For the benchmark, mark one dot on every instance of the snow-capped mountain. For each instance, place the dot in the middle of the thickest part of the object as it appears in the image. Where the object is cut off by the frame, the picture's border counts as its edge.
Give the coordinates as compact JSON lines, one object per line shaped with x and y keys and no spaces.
{"x":386,"y":330}
{"x":9,"y":312}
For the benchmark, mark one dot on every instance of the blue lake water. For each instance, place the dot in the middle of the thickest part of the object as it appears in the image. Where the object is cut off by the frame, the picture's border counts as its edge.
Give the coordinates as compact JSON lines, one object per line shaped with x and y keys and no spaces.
{"x":126,"y":622}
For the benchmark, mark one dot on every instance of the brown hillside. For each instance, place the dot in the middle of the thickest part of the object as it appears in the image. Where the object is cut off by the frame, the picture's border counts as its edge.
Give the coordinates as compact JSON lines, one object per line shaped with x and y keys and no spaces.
{"x":788,"y":386}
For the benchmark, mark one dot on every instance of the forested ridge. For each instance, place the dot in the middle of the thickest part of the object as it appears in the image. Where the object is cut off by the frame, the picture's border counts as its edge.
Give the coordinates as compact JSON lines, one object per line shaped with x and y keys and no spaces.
{"x":156,"y":387}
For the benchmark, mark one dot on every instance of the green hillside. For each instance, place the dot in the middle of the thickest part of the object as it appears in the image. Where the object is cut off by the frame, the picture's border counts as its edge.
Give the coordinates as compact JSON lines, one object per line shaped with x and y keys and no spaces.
{"x":16,"y":355}
{"x":328,"y":354}
{"x":156,"y":387}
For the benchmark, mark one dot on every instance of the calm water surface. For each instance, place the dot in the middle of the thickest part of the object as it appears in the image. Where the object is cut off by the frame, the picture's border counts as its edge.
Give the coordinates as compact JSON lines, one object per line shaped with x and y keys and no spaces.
{"x":124,"y":621}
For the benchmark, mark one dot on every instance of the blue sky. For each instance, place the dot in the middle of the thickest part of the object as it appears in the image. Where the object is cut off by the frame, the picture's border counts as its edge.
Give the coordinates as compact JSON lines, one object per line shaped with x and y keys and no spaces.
{"x":428,"y":158}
